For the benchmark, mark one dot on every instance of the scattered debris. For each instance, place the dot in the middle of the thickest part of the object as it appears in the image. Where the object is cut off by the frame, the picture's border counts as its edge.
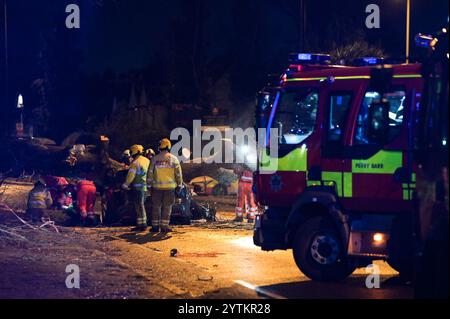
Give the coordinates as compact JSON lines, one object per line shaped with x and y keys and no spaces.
{"x":46,"y":222}
{"x":8,"y":235}
{"x":201,"y":255}
{"x":205,"y":278}
{"x":225,"y":224}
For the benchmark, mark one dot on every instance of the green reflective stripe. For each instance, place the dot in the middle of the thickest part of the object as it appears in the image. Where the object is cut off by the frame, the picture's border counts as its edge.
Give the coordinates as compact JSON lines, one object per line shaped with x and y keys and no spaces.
{"x":348,"y":185}
{"x":405,"y":195}
{"x":408,"y":194}
{"x":356,"y":77}
{"x":343,"y":182}
{"x":413,"y":185}
{"x":335,"y":177}
{"x":413,"y":179}
{"x":407,"y":76}
{"x":306,"y":79}
{"x":313,"y":183}
{"x":384,"y":162}
{"x":295,"y":161}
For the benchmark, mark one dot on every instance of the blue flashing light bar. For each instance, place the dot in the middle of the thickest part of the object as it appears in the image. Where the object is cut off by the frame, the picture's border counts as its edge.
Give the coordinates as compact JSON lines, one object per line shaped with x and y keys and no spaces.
{"x":309,"y":58}
{"x":424,"y":41}
{"x":367,"y":61}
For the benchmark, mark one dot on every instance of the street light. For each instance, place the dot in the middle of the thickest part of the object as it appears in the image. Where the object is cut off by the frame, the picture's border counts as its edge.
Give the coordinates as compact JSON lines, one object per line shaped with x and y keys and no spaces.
{"x":408,"y":27}
{"x":20,"y":102}
{"x":20,"y":106}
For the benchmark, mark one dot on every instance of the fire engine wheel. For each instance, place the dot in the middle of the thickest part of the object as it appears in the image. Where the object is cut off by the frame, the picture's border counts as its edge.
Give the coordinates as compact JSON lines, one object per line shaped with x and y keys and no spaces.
{"x":319,"y":253}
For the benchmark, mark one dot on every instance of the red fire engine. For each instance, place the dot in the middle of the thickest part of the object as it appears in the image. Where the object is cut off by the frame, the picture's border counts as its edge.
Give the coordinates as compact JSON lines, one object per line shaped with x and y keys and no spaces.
{"x":340,"y":191}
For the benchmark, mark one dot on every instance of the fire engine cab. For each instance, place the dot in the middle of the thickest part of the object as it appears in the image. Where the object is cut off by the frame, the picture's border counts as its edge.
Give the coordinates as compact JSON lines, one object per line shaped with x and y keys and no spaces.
{"x":340,"y":190}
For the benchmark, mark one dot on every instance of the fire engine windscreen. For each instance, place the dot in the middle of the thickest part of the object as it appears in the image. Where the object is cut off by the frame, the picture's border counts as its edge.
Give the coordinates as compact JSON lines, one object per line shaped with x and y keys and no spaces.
{"x":295,"y":115}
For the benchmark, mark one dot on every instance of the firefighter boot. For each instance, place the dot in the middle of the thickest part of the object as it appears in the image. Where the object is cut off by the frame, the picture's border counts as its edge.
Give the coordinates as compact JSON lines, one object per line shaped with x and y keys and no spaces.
{"x":166,"y":229}
{"x":155,"y":229}
{"x":239,"y":215}
{"x":139,"y":229}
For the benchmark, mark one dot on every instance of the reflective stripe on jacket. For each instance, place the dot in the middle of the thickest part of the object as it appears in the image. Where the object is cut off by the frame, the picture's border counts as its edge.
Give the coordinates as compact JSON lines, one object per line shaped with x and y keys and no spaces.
{"x":246,"y":177}
{"x":39,"y":198}
{"x":165,"y":172}
{"x":137,"y":174}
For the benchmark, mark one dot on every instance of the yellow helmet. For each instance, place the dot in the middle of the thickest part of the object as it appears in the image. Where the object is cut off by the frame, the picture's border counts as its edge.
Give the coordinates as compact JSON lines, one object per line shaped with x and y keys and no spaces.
{"x":165,"y":144}
{"x":136,"y":149}
{"x":150,"y":152}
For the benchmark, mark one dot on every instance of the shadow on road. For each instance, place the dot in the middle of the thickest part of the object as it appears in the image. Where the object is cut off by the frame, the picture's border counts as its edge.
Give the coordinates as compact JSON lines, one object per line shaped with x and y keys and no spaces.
{"x":143,"y":238}
{"x":351,"y":288}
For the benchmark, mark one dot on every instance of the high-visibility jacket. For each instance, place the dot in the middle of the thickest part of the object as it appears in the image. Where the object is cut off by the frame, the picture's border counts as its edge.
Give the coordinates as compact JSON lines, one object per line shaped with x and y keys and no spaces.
{"x":86,"y":196}
{"x":165,"y":172}
{"x":246,"y":177}
{"x":137,"y":174}
{"x":54,"y":185}
{"x":39,"y":198}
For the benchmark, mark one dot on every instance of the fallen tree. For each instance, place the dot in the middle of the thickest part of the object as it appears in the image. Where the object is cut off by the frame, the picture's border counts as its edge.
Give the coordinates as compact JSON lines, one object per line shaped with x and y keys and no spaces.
{"x":39,"y":156}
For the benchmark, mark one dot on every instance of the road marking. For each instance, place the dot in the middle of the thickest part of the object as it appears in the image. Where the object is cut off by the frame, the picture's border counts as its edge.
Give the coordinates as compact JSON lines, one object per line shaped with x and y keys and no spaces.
{"x":259,"y":290}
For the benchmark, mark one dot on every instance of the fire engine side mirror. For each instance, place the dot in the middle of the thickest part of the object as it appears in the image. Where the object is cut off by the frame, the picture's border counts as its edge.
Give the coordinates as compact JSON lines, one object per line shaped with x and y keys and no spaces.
{"x":378,"y":130}
{"x":262,"y":104}
{"x":263,"y":101}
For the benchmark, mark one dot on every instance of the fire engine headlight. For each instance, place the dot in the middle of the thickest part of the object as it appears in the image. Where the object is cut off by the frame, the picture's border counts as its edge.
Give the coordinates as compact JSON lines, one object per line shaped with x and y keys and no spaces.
{"x":378,"y":239}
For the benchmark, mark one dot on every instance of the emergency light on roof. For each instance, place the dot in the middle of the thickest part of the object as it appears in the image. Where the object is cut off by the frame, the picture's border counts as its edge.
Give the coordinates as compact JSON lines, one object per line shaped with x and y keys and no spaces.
{"x":309,"y":58}
{"x":424,"y":41}
{"x":367,"y":61}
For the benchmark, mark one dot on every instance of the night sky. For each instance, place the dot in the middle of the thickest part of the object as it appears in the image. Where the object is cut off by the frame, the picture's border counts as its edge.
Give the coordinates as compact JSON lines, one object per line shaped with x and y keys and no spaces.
{"x":245,"y":39}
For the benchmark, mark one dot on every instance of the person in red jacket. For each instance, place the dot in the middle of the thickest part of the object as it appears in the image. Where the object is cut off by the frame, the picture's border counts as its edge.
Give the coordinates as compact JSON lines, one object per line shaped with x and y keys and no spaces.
{"x":246,"y":199}
{"x":86,"y":196}
{"x":55,"y":185}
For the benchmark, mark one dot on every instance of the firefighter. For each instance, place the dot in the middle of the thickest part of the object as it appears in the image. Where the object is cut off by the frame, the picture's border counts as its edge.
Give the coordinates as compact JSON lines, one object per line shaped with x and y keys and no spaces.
{"x":86,"y":197}
{"x":136,"y":182}
{"x":126,"y":157}
{"x":150,"y":153}
{"x":165,"y":178}
{"x":245,"y":198}
{"x":39,"y":200}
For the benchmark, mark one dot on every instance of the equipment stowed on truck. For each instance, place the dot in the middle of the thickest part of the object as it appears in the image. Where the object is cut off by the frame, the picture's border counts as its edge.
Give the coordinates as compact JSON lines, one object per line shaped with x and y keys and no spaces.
{"x":340,"y":192}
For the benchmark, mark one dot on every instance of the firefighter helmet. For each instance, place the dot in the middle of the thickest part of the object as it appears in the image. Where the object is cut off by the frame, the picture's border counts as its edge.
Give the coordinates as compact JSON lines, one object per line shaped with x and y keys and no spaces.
{"x":150,"y":152}
{"x":165,"y":144}
{"x":136,"y":149}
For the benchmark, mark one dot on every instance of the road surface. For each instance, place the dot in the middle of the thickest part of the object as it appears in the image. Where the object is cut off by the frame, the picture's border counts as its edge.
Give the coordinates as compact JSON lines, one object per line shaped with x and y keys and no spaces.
{"x":213,"y":260}
{"x":220,"y":260}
